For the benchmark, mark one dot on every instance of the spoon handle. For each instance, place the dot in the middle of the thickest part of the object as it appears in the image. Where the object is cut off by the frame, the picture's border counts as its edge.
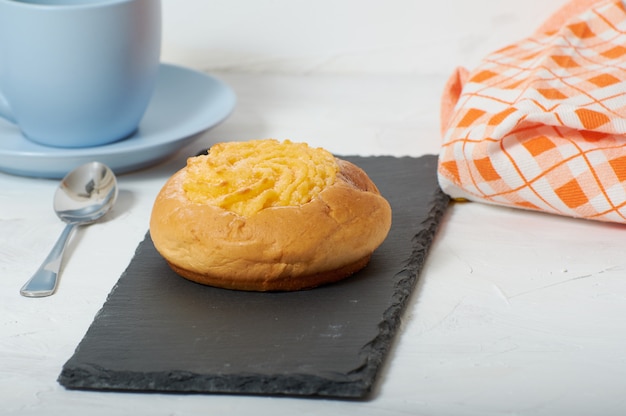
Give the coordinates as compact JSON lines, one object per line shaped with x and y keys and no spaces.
{"x":44,"y":281}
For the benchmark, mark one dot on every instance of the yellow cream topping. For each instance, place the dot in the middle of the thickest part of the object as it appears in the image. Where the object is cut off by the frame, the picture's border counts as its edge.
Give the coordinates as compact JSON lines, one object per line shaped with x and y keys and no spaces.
{"x":246,"y":177}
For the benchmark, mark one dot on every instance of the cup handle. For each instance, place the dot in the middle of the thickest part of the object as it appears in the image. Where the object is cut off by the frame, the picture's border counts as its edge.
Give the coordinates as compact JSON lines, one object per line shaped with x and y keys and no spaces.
{"x":5,"y":109}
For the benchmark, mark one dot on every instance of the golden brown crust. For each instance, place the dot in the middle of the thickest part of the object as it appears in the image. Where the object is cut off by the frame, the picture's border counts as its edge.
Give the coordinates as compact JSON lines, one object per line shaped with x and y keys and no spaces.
{"x":281,"y":283}
{"x":278,"y":248}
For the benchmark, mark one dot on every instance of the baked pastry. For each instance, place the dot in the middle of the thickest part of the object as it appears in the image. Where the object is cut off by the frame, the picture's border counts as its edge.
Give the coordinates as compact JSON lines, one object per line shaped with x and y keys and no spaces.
{"x":265,"y":215}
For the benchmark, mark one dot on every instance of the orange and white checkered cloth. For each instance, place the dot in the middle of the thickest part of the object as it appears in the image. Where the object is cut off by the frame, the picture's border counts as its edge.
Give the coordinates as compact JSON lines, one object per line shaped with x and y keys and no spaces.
{"x":541,"y":124}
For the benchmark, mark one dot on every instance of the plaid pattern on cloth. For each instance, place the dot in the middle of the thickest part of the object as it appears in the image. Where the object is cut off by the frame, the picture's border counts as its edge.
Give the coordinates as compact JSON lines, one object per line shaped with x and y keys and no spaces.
{"x":541,"y":124}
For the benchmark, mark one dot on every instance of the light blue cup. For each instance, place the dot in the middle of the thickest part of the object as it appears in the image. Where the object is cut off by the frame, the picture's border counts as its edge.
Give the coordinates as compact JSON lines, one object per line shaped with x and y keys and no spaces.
{"x":78,"y":73}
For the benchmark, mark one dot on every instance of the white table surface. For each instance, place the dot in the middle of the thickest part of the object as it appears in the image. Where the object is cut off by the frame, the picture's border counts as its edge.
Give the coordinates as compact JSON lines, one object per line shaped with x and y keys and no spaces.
{"x":515,"y":313}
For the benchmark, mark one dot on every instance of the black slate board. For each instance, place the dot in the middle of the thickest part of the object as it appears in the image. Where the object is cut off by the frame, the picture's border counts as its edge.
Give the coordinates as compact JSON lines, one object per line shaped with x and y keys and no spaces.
{"x":158,"y":332}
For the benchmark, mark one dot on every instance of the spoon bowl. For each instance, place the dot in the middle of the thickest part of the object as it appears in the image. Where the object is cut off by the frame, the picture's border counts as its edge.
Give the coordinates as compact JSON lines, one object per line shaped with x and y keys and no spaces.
{"x":83,"y":196}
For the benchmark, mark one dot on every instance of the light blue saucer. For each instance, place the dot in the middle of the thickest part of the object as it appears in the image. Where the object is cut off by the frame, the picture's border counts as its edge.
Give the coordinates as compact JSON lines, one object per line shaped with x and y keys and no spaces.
{"x":185,"y":103}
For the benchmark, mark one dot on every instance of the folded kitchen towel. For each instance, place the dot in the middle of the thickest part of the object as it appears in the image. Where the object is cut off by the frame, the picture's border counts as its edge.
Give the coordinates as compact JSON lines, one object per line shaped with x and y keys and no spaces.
{"x":541,"y":124}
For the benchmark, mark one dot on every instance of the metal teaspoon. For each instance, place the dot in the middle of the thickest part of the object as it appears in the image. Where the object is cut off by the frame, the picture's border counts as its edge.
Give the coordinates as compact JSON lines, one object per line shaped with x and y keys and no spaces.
{"x":83,"y":196}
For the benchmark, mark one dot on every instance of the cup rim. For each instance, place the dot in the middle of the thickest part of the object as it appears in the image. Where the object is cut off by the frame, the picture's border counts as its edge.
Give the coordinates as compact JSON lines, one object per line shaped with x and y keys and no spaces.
{"x":62,"y":4}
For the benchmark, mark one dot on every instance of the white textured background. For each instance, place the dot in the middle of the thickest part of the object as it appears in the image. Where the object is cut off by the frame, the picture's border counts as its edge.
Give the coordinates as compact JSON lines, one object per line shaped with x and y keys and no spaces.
{"x":343,"y":36}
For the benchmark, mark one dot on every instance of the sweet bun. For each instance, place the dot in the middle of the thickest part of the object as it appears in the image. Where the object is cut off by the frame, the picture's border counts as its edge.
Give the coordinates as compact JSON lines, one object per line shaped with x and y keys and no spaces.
{"x":213,"y":237}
